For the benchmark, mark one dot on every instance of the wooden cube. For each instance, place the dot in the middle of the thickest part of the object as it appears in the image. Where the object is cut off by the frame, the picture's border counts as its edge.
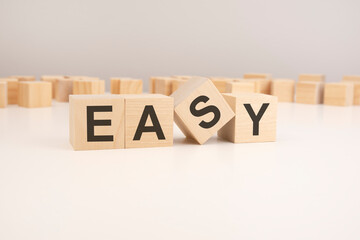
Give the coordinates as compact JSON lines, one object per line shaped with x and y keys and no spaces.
{"x":220,"y":83}
{"x":309,"y":92}
{"x":262,"y":81}
{"x":312,"y":78}
{"x":284,"y":89}
{"x":88,"y":87}
{"x":63,"y":89}
{"x":257,"y":76}
{"x":339,"y":94}
{"x":3,"y":94}
{"x":52,"y":80}
{"x":97,"y":122}
{"x":12,"y":89}
{"x":355,"y":80}
{"x":163,"y":85}
{"x":24,"y":78}
{"x":126,"y":86}
{"x":200,"y":110}
{"x":34,"y":94}
{"x":185,"y":77}
{"x":148,"y":120}
{"x":176,"y":83}
{"x":255,"y":118}
{"x":240,"y":87}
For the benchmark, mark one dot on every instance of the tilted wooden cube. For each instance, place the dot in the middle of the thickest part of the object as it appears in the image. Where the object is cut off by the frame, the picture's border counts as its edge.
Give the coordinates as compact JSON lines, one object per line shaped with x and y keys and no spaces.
{"x":88,"y":87}
{"x":255,"y":118}
{"x":63,"y":89}
{"x":3,"y":94}
{"x":312,"y":78}
{"x":97,"y":122}
{"x":240,"y":87}
{"x":126,"y":86}
{"x":12,"y":89}
{"x":200,"y":109}
{"x":309,"y":92}
{"x":148,"y":120}
{"x":355,"y":80}
{"x":121,"y":121}
{"x":35,"y":94}
{"x":339,"y":94}
{"x":284,"y":89}
{"x":220,"y":83}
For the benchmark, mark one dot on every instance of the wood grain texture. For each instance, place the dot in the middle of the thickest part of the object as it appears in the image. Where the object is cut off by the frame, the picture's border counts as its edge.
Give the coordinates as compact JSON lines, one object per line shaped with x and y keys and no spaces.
{"x":126,"y":86}
{"x":3,"y":94}
{"x":220,"y":83}
{"x":190,"y":124}
{"x":78,"y":121}
{"x":312,"y":78}
{"x":284,"y":89}
{"x":309,"y":92}
{"x":63,"y":89}
{"x":163,"y":107}
{"x":163,"y":85}
{"x":339,"y":94}
{"x":240,"y":87}
{"x":34,"y":94}
{"x":240,"y":129}
{"x":88,"y":87}
{"x":12,"y":88}
{"x":24,"y":78}
{"x":355,"y":80}
{"x":51,"y":79}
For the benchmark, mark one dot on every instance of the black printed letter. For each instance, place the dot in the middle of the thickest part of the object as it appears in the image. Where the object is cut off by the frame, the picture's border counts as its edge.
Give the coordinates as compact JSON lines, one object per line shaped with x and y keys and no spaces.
{"x":205,"y":110}
{"x":256,"y":118}
{"x":149,"y":111}
{"x":91,"y":123}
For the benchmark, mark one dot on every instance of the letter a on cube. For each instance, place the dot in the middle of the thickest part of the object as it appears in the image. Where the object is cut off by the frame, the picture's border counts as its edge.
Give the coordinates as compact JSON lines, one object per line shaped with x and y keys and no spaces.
{"x":200,"y":109}
{"x":97,"y":122}
{"x":255,"y":119}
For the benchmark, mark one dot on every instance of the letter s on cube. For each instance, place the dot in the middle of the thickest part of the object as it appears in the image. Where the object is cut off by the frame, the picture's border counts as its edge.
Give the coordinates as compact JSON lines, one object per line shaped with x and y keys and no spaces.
{"x":200,"y":109}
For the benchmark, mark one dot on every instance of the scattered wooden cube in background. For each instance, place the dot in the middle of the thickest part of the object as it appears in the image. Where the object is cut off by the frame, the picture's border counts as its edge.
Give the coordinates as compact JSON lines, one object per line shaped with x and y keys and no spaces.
{"x":52,"y":80}
{"x":200,"y":110}
{"x":63,"y":88}
{"x":284,"y":89}
{"x":255,"y":118}
{"x":355,"y":80}
{"x":263,"y":81}
{"x":3,"y":94}
{"x":97,"y":122}
{"x":126,"y":86}
{"x":257,"y":76}
{"x":339,"y":94}
{"x":185,"y":77}
{"x":12,"y":86}
{"x":88,"y":87}
{"x":220,"y":83}
{"x":35,"y":94}
{"x":163,"y":85}
{"x":312,"y":78}
{"x":309,"y":92}
{"x":351,"y":78}
{"x":24,"y":78}
{"x":240,"y":87}
{"x":148,"y":120}
{"x":176,"y":83}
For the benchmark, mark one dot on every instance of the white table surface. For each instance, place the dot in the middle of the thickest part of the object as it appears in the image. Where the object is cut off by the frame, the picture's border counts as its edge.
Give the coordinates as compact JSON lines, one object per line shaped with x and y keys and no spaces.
{"x":304,"y":186}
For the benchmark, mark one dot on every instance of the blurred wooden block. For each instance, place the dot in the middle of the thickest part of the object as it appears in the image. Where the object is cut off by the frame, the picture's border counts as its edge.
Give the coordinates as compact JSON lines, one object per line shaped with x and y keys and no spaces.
{"x":339,"y":94}
{"x":185,"y":77}
{"x":163,"y":85}
{"x":88,"y":87}
{"x":24,"y":78}
{"x":148,"y":120}
{"x":34,"y":94}
{"x":3,"y":94}
{"x":52,"y":80}
{"x":309,"y":92}
{"x":152,"y":84}
{"x":176,"y":83}
{"x":200,"y":110}
{"x":257,"y":76}
{"x":255,"y":118}
{"x":12,"y":87}
{"x":240,"y":87}
{"x":63,"y":89}
{"x":263,"y":81}
{"x":284,"y":89}
{"x":97,"y":122}
{"x":355,"y":80}
{"x":220,"y":83}
{"x":126,"y":86}
{"x":312,"y":78}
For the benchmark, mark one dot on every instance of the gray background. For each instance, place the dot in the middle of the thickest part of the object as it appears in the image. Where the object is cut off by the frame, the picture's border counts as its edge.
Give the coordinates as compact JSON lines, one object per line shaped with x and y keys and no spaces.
{"x":141,"y":38}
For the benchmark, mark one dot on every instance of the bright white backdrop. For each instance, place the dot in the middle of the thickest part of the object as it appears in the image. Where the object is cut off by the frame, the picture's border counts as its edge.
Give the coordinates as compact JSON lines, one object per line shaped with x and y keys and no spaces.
{"x":140,"y":38}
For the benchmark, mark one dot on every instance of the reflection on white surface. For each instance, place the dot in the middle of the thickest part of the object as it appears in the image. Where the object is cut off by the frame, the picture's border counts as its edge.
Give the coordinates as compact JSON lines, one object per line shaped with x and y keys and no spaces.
{"x":304,"y":186}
